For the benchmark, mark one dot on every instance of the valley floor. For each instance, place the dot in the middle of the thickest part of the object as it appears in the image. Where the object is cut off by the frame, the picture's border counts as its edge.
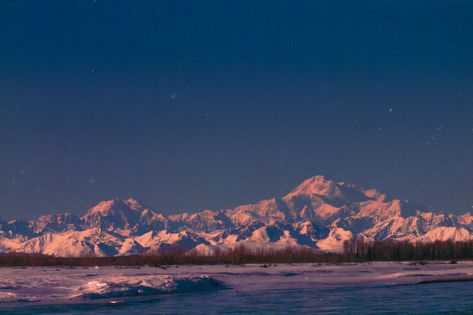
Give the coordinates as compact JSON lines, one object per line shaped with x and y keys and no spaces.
{"x":116,"y":289}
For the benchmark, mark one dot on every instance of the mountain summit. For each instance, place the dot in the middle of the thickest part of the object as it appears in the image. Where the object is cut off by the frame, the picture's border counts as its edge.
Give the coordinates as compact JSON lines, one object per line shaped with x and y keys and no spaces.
{"x":317,"y":185}
{"x":321,"y":186}
{"x":114,"y":214}
{"x":319,"y":213}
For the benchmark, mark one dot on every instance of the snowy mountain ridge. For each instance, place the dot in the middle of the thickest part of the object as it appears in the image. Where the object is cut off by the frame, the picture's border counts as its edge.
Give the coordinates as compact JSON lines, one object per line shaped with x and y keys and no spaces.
{"x":319,"y":213}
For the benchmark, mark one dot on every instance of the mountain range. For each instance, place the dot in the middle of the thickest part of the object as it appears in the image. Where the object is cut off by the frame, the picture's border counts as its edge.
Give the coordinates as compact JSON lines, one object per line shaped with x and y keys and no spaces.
{"x":319,"y":213}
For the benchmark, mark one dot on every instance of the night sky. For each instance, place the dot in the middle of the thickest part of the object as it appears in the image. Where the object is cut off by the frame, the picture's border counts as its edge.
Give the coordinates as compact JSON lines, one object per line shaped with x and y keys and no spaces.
{"x":192,"y":105}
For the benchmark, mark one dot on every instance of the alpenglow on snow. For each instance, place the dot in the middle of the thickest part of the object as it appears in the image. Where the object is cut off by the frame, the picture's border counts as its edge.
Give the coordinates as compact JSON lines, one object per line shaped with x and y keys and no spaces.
{"x":319,"y":213}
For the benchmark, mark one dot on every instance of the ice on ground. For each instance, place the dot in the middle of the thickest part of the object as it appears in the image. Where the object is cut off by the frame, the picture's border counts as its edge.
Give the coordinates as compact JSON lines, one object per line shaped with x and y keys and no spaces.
{"x":126,"y":286}
{"x":8,"y":296}
{"x":12,"y":297}
{"x":49,"y":285}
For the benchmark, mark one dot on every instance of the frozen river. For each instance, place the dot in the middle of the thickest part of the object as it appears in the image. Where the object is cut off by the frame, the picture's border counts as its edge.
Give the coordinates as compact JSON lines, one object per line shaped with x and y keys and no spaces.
{"x":302,"y":288}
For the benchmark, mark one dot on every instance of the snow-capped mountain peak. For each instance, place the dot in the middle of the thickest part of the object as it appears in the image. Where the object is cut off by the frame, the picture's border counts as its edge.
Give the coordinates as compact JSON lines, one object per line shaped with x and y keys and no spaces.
{"x":318,"y":213}
{"x":329,"y":189}
{"x":317,"y":185}
{"x":114,"y":214}
{"x":107,"y":206}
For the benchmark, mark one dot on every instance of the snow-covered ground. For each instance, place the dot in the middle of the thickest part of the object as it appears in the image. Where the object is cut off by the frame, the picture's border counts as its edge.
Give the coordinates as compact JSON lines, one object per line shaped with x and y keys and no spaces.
{"x":49,"y":285}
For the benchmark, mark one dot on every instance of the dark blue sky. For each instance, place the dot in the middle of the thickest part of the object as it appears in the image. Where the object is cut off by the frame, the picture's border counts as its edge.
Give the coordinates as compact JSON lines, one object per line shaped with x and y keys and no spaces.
{"x":189,"y":105}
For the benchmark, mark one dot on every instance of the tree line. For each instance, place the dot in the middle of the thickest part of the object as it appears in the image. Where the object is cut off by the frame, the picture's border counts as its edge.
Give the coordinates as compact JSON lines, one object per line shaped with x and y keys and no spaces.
{"x":391,"y":250}
{"x":353,"y":251}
